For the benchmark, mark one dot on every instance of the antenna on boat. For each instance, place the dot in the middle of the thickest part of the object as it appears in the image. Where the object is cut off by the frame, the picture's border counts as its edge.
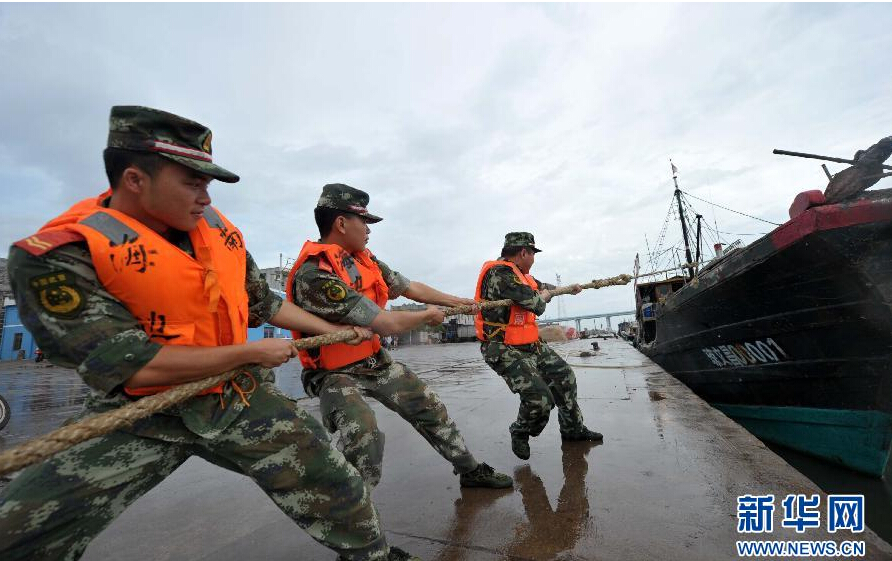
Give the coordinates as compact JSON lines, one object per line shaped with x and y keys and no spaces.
{"x":697,"y":261}
{"x":819,"y":157}
{"x":684,"y":226}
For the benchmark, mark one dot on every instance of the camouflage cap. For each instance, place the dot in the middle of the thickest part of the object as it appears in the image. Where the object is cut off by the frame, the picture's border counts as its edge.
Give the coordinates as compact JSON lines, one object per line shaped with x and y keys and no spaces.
{"x":346,"y":198}
{"x":185,"y":142}
{"x":521,"y":239}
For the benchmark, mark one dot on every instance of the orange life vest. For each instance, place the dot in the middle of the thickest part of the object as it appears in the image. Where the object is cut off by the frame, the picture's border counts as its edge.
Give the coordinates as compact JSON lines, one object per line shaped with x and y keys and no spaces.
{"x":521,"y":328}
{"x":177,"y":299}
{"x":365,"y":278}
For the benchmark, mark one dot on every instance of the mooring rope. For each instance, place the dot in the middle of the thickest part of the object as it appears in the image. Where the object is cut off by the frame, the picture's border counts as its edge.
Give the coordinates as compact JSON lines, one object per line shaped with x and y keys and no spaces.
{"x":43,"y":447}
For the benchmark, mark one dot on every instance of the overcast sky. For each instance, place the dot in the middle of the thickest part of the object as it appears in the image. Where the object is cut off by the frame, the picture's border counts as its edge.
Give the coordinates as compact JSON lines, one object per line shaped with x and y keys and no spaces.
{"x":463,"y":122}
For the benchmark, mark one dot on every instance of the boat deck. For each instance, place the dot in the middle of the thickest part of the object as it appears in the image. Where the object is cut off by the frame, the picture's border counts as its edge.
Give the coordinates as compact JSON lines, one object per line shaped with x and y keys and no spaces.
{"x":662,"y":486}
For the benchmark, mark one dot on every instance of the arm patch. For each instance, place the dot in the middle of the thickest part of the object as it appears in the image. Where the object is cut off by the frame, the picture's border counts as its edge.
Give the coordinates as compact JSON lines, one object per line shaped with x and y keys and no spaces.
{"x":58,"y":294}
{"x":42,"y":242}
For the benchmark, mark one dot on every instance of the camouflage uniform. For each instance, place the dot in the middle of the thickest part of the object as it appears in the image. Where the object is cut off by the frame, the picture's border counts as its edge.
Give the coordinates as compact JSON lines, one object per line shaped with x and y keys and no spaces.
{"x":535,"y":372}
{"x":341,"y":392}
{"x":54,"y":509}
{"x":322,"y":292}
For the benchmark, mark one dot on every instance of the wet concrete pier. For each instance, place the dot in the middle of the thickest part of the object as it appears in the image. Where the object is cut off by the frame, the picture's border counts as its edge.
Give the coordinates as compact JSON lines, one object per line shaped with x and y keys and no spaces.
{"x":664,"y":484}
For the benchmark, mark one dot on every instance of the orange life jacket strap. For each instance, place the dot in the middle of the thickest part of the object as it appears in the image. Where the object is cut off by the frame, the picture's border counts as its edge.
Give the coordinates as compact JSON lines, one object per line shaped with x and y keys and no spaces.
{"x":243,"y":394}
{"x":491,"y":334}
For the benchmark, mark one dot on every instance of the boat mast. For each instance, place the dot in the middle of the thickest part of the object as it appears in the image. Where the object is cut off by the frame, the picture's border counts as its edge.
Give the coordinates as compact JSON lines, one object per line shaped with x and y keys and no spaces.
{"x":684,"y":227}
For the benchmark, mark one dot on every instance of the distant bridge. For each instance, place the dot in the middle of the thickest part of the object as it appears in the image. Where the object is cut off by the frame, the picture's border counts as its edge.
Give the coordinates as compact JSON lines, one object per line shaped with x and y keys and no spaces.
{"x":578,"y":319}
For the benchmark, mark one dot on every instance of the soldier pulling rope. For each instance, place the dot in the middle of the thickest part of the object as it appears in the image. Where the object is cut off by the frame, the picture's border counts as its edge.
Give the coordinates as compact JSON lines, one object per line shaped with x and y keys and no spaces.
{"x":43,"y":447}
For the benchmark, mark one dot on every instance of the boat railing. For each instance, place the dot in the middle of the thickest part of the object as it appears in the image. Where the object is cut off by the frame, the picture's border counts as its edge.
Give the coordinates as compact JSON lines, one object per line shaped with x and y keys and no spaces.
{"x":732,"y":248}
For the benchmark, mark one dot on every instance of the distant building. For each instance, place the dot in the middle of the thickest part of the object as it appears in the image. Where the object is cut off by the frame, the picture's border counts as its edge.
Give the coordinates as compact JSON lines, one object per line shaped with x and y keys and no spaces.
{"x":455,"y":329}
{"x":408,"y":307}
{"x":421,"y":335}
{"x":275,"y":277}
{"x":459,"y":329}
{"x":15,"y":342}
{"x":5,"y":291}
{"x":269,"y":331}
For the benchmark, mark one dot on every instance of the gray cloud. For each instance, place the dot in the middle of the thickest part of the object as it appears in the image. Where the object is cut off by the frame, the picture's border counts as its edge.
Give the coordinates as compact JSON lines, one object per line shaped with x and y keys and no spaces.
{"x":462,"y":121}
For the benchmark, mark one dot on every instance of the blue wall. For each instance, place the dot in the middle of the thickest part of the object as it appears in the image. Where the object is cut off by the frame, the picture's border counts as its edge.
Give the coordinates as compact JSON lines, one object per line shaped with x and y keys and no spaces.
{"x":11,"y":326}
{"x":257,"y":333}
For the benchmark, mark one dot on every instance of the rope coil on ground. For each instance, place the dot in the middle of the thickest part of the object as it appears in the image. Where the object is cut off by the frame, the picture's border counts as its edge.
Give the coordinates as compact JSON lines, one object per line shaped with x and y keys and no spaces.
{"x":43,"y":447}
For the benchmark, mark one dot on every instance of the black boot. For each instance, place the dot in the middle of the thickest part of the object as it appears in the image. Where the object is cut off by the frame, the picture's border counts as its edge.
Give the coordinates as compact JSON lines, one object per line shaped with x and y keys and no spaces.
{"x":520,"y":445}
{"x":582,"y":434}
{"x":485,"y":476}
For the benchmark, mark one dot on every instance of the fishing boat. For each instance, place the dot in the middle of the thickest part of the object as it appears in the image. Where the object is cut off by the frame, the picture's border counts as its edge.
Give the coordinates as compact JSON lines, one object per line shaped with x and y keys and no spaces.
{"x":791,"y":335}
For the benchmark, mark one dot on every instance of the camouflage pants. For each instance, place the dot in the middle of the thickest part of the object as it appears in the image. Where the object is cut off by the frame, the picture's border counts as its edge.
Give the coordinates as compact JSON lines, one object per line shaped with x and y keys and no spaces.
{"x":542,"y":379}
{"x":53,"y":510}
{"x":400,"y":390}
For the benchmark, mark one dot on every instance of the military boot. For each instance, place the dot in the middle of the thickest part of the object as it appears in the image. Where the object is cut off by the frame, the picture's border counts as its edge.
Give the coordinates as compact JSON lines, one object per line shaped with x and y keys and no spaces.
{"x":520,"y":445}
{"x":582,"y":434}
{"x":485,"y":476}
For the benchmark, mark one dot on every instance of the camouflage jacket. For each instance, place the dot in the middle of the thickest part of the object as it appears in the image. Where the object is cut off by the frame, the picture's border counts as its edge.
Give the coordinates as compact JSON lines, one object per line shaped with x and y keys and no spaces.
{"x":499,"y":283}
{"x":105,"y":343}
{"x":324,"y":294}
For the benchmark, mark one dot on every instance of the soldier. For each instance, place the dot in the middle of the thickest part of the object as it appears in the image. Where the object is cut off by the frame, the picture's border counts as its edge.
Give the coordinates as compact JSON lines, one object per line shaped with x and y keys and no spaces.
{"x":146,"y":287}
{"x":511,"y":346}
{"x":340,"y":280}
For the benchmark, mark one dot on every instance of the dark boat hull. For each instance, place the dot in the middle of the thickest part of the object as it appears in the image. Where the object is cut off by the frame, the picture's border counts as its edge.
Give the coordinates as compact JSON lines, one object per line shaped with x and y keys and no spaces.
{"x":792,"y":335}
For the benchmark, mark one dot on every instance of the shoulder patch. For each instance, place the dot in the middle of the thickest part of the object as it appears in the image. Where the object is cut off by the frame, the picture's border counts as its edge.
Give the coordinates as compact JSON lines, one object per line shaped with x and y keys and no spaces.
{"x":334,"y":290}
{"x":42,"y":242}
{"x":58,"y":294}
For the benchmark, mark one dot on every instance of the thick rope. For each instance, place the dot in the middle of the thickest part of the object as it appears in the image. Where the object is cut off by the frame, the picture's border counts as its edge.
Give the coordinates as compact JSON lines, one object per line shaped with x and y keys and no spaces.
{"x":43,"y":447}
{"x":618,"y":280}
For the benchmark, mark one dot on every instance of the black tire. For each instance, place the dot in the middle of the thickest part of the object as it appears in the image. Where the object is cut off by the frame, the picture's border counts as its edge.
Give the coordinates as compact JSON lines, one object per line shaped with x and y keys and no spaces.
{"x":5,"y":412}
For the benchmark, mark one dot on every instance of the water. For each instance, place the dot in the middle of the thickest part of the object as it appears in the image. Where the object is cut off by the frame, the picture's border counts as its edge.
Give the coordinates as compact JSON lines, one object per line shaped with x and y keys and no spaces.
{"x":833,"y":479}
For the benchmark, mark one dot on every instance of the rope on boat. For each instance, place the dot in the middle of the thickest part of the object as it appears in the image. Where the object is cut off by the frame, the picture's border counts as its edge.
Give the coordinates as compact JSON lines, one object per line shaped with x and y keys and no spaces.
{"x":686,"y":265}
{"x":731,"y":209}
{"x":43,"y":447}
